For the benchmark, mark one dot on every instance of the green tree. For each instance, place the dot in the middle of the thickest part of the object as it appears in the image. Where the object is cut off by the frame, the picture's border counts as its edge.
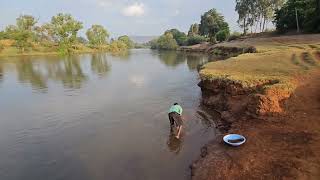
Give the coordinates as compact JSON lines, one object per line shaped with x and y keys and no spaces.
{"x":22,"y":39}
{"x":308,"y":16}
{"x":255,"y":12}
{"x":23,"y":32}
{"x":180,"y":37}
{"x":26,"y":25}
{"x":193,"y":30}
{"x":65,"y":29}
{"x":26,"y":22}
{"x":126,"y":39}
{"x":97,"y":35}
{"x":222,"y":35}
{"x":211,"y":23}
{"x":243,"y":9}
{"x":44,"y":34}
{"x":166,"y":42}
{"x":117,"y":47}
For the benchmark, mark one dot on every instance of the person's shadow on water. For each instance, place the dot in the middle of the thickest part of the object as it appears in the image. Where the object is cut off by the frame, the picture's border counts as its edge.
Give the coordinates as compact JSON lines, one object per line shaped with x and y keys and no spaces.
{"x":174,"y":144}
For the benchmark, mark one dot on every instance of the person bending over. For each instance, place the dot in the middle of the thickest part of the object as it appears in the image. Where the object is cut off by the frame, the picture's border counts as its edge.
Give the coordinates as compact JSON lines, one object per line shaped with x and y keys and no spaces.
{"x":175,"y":118}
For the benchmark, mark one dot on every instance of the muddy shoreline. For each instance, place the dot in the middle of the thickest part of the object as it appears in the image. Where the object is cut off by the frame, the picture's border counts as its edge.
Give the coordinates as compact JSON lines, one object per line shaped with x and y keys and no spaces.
{"x":282,"y":131}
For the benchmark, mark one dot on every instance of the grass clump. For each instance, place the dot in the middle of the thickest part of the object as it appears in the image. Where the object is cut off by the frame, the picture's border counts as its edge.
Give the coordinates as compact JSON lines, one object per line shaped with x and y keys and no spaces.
{"x":307,"y":58}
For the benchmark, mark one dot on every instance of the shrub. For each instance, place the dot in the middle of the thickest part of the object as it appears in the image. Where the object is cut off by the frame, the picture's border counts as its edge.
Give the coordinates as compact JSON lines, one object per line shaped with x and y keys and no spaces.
{"x":117,"y":47}
{"x":196,"y":39}
{"x":234,"y":36}
{"x":222,"y":35}
{"x":1,"y":47}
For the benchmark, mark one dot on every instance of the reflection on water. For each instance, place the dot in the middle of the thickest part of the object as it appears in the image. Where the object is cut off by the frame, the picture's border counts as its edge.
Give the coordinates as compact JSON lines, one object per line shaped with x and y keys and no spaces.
{"x":1,"y":72}
{"x":97,"y":116}
{"x":173,"y":59}
{"x":68,"y":70}
{"x":99,"y":64}
{"x":174,"y":144}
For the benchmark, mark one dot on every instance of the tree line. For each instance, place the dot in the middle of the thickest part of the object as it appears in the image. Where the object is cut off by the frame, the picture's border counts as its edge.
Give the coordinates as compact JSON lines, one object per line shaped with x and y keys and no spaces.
{"x":212,"y":28}
{"x":286,"y":15}
{"x":61,"y":33}
{"x":253,"y":17}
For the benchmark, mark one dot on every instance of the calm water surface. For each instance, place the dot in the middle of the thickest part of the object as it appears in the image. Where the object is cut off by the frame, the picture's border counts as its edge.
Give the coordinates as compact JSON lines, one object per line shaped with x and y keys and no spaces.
{"x":99,"y":116}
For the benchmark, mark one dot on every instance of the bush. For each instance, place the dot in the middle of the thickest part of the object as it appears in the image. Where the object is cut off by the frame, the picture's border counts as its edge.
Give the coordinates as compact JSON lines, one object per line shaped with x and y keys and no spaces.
{"x":222,"y":35}
{"x":1,"y":47}
{"x":153,"y":44}
{"x":234,"y":36}
{"x":165,"y":42}
{"x":196,"y":39}
{"x":117,"y":47}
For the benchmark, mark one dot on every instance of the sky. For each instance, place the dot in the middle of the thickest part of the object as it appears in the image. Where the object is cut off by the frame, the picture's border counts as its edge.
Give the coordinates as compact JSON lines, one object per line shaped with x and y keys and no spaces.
{"x":130,"y":17}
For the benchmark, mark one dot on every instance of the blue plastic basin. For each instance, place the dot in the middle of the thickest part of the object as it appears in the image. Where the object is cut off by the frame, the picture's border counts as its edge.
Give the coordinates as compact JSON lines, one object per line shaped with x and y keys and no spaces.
{"x":233,"y":137}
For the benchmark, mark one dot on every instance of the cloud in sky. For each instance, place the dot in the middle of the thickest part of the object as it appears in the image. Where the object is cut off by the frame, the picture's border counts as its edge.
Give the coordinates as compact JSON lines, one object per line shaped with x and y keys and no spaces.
{"x":135,"y":9}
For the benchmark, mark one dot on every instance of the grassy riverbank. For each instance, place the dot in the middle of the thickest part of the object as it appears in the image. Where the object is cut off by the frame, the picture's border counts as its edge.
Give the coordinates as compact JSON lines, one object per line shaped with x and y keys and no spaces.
{"x":278,"y":60}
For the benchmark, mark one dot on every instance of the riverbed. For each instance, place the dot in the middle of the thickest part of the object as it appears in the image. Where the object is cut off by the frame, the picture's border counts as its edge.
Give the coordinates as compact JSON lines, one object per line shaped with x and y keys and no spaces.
{"x":98,"y":116}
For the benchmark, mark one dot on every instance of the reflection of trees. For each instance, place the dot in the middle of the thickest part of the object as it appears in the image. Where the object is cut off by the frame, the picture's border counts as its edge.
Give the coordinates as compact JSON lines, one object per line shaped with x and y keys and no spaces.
{"x":171,"y":58}
{"x":174,"y":144}
{"x":28,"y":72}
{"x":99,"y":64}
{"x":1,"y":72}
{"x":68,"y":71}
{"x":38,"y":70}
{"x":195,"y":61}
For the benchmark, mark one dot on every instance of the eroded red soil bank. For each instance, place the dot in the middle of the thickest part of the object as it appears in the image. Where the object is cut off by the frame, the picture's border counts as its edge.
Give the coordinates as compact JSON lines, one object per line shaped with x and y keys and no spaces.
{"x":282,"y":135}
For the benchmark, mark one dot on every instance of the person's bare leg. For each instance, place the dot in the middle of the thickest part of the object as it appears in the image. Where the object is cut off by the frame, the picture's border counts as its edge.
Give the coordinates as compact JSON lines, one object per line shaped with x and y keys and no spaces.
{"x":179,"y":131}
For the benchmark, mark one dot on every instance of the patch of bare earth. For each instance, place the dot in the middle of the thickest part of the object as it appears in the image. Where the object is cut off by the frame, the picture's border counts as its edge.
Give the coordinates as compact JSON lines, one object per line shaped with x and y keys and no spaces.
{"x":281,"y":146}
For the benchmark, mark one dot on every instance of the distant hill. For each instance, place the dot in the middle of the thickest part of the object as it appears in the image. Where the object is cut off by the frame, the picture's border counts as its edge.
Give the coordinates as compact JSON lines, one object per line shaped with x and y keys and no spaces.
{"x":142,"y":39}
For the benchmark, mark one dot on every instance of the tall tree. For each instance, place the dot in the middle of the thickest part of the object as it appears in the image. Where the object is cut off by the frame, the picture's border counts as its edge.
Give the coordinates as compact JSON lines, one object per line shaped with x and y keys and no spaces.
{"x":211,"y":23}
{"x":308,"y":16}
{"x":256,"y":12}
{"x":65,"y":29}
{"x":180,"y":37}
{"x":97,"y":35}
{"x":26,"y":22}
{"x":22,"y":32}
{"x":166,"y":42}
{"x":194,"y":29}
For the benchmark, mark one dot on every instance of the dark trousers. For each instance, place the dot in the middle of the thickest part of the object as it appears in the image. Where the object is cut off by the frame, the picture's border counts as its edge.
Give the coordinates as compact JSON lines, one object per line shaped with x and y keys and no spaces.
{"x":175,"y":119}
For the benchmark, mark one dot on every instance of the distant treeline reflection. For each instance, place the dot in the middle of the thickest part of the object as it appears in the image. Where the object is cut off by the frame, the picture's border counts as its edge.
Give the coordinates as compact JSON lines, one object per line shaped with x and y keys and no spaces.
{"x":72,"y":71}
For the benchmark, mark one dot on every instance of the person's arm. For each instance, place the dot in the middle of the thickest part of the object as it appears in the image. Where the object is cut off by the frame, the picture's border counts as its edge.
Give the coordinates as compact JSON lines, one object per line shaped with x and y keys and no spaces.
{"x":179,"y":131}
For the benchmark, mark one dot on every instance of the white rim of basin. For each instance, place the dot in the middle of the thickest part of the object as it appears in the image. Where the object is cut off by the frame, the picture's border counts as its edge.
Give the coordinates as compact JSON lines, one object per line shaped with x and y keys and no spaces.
{"x":227,"y":137}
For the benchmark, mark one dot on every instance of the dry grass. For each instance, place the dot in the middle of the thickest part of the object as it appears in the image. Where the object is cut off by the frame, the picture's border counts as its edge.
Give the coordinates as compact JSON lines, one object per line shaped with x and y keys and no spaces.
{"x":278,"y":60}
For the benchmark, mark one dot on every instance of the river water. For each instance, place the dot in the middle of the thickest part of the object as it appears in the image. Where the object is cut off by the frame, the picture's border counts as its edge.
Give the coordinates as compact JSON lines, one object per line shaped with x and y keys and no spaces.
{"x":98,"y":117}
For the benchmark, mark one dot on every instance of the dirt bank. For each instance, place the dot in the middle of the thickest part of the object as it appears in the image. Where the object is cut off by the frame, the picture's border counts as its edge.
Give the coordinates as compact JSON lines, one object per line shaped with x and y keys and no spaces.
{"x":282,"y":146}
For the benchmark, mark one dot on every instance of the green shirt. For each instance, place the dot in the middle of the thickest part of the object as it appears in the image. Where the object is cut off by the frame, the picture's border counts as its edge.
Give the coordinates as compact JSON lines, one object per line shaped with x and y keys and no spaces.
{"x":176,"y":108}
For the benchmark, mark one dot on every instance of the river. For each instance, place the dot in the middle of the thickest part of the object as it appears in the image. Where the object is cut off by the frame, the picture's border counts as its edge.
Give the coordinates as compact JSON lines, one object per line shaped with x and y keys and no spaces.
{"x":98,"y":117}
